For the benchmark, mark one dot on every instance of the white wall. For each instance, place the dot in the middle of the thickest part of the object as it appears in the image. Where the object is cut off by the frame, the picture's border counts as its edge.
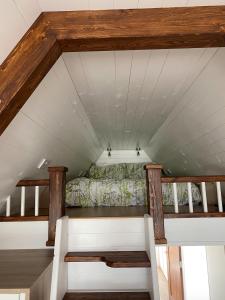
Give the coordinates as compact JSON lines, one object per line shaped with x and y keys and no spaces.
{"x":51,"y":125}
{"x":195,"y":274}
{"x":122,"y":156}
{"x":16,"y":16}
{"x":102,"y":234}
{"x":195,"y":231}
{"x":216,"y":271}
{"x":23,"y":235}
{"x":106,"y":234}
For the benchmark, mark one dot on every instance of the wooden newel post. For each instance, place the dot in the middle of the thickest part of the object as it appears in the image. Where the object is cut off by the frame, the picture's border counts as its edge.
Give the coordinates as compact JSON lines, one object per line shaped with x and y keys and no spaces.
{"x":155,"y":201}
{"x":57,"y":189}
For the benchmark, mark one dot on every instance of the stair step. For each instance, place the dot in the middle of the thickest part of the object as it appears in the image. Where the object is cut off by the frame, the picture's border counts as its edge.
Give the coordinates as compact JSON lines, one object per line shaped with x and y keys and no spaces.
{"x":113,"y":259}
{"x":108,"y":296}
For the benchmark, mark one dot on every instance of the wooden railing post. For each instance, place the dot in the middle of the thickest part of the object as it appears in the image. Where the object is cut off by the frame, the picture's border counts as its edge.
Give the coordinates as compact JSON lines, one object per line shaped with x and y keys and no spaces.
{"x":57,"y":187}
{"x":155,"y":201}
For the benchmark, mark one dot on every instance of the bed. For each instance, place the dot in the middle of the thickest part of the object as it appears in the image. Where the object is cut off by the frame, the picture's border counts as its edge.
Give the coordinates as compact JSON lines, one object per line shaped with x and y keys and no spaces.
{"x":120,"y":185}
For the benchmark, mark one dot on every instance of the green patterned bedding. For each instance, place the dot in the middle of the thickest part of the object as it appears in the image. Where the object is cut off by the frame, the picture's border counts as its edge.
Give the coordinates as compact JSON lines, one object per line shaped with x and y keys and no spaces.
{"x":120,"y":185}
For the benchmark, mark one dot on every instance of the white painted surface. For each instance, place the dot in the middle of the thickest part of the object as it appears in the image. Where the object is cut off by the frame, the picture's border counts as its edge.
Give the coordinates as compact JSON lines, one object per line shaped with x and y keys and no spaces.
{"x":150,"y":248}
{"x":59,"y":283}
{"x":216,"y":271}
{"x":112,"y":4}
{"x":195,"y":231}
{"x":204,"y":197}
{"x":36,"y":205}
{"x":16,"y":16}
{"x":190,"y":197}
{"x":195,"y":273}
{"x":135,"y":97}
{"x":219,"y":196}
{"x":102,"y":234}
{"x":23,"y":201}
{"x":36,"y":133}
{"x":97,"y":276}
{"x":176,"y":207}
{"x":23,"y":235}
{"x":122,"y":156}
{"x":162,"y":259}
{"x":40,"y":290}
{"x":8,"y":206}
{"x":9,"y":297}
{"x":15,"y":294}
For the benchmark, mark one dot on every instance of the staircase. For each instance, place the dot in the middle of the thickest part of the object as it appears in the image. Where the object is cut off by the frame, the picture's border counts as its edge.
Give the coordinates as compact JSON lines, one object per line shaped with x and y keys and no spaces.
{"x":103,"y":275}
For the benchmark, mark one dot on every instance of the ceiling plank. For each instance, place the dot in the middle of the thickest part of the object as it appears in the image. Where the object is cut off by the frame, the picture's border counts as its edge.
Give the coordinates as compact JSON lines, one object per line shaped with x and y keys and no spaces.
{"x":54,"y":32}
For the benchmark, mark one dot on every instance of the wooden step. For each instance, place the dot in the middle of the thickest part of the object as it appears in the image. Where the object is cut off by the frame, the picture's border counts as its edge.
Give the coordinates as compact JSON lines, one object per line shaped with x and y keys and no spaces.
{"x":108,"y":296}
{"x":113,"y":259}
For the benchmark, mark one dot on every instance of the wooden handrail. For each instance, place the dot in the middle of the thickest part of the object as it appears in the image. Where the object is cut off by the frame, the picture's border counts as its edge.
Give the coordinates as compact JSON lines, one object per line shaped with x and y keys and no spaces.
{"x":33,"y":182}
{"x":193,"y":179}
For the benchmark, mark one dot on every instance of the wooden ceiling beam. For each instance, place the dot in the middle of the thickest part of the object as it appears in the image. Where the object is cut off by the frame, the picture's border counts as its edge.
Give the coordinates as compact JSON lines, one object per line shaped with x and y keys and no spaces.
{"x":56,"y":32}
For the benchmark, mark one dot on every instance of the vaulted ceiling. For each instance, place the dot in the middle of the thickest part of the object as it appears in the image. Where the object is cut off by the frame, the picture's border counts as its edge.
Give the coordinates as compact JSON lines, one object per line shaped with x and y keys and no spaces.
{"x":170,"y":102}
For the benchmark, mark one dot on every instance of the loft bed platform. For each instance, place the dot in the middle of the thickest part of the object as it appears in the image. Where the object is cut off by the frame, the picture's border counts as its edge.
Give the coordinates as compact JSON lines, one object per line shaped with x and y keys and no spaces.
{"x":117,"y":212}
{"x":166,"y":197}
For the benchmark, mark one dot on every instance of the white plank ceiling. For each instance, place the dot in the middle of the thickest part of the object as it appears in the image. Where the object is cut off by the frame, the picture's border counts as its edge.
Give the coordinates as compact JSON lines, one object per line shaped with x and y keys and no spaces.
{"x":170,"y":102}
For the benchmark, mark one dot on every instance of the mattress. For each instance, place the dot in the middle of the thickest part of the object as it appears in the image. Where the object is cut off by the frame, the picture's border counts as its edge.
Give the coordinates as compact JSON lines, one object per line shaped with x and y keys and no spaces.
{"x":89,"y":192}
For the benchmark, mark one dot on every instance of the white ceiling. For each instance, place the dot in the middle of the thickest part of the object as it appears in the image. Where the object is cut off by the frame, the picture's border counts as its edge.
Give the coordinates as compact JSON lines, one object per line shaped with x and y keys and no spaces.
{"x":171,"y":102}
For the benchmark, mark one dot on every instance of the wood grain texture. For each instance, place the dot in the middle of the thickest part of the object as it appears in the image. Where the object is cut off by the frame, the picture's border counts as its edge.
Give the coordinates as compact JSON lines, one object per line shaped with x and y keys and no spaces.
{"x":33,"y":182}
{"x":194,"y":179}
{"x":55,"y":32}
{"x":23,"y":219}
{"x":195,"y":215}
{"x":57,"y":191}
{"x":113,"y":259}
{"x":107,"y":296}
{"x":21,"y":268}
{"x":155,"y":202}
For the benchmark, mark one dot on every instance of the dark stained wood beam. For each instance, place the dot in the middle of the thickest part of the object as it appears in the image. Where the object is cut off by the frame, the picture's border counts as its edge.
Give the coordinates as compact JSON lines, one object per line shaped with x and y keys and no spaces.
{"x":57,"y":191}
{"x":155,"y":201}
{"x":55,"y":32}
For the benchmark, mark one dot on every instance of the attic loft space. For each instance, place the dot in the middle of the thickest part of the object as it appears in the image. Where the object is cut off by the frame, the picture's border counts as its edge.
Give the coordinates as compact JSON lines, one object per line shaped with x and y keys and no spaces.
{"x":141,"y":106}
{"x":169,"y":102}
{"x":112,"y":153}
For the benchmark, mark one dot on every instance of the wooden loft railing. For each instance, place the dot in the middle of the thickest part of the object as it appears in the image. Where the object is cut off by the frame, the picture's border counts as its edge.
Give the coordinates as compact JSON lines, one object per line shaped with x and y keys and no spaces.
{"x":56,"y":184}
{"x":155,"y":198}
{"x":21,"y":216}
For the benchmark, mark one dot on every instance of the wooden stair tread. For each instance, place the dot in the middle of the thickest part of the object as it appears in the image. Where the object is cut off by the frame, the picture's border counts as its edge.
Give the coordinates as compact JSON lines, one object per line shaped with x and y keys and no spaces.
{"x":113,"y":259}
{"x":108,"y":296}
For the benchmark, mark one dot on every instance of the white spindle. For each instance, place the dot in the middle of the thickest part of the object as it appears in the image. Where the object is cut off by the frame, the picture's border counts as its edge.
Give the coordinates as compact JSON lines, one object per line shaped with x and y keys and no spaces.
{"x":190,"y":197}
{"x":175,"y":198}
{"x":219,"y":197}
{"x":36,"y":201}
{"x":204,"y":197}
{"x":8,"y":204}
{"x":23,"y":194}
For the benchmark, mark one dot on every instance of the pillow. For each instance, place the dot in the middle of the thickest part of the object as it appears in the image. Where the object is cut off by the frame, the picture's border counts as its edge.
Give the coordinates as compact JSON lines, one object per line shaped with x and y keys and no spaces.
{"x":117,"y":172}
{"x":135,"y":171}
